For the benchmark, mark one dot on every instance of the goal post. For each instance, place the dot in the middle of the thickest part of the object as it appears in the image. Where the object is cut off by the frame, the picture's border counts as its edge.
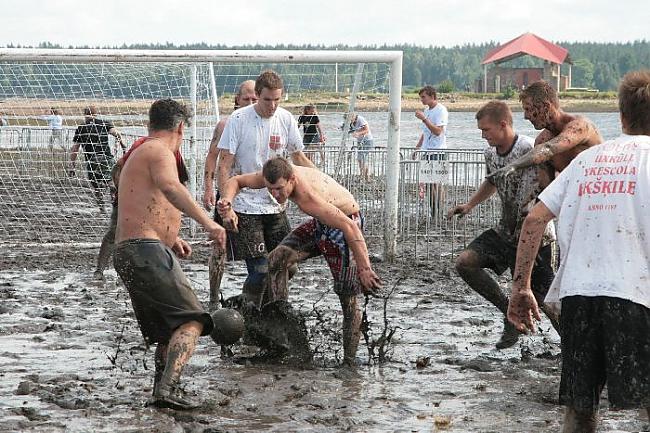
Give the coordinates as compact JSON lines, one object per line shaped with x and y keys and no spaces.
{"x":42,"y":201}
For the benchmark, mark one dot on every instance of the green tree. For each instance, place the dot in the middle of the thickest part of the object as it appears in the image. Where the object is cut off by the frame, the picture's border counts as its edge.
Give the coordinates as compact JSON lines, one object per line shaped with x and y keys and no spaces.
{"x":582,"y":73}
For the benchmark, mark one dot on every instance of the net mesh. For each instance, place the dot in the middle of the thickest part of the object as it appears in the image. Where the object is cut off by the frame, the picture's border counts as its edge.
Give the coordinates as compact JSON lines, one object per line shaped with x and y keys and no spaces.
{"x":43,"y":200}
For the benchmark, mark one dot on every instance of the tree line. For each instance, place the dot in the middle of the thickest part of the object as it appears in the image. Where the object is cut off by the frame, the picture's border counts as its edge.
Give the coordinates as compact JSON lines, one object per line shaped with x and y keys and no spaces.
{"x":595,"y":65}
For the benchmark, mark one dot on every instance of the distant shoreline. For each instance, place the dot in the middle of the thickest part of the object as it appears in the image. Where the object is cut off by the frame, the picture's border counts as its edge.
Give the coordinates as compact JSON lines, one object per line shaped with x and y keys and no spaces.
{"x":326,"y":102}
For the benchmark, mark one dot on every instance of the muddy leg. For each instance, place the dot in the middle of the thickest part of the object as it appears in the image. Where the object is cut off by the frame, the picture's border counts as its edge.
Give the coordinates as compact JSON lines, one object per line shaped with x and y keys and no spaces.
{"x":106,"y":248}
{"x":160,"y":360}
{"x":282,"y":266}
{"x":179,"y":351}
{"x":579,"y":421}
{"x":216,"y":268}
{"x":470,"y":268}
{"x":254,"y":285}
{"x":351,"y":328}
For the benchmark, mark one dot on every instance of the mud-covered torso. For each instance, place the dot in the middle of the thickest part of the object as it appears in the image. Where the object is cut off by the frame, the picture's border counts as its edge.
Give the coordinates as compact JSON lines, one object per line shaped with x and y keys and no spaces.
{"x":143,"y":210}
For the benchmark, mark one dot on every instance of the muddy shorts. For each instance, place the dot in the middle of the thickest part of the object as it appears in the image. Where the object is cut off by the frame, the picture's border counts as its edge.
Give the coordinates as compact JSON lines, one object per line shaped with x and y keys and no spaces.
{"x":161,"y":295}
{"x":499,"y":255}
{"x":315,"y":239}
{"x":258,"y":234}
{"x":605,"y":340}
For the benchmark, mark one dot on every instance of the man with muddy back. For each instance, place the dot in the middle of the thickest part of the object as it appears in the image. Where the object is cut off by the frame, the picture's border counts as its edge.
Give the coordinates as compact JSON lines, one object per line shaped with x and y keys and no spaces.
{"x":496,"y":248}
{"x":601,"y":202}
{"x":253,"y":135}
{"x":151,"y":200}
{"x":563,"y":135}
{"x":334,"y":231}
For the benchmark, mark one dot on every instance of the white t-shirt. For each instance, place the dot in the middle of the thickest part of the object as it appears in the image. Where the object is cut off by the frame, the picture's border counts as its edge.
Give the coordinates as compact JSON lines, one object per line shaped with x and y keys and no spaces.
{"x":359,"y":123}
{"x":54,"y":121}
{"x":254,"y":140}
{"x":602,"y":201}
{"x":439,"y":116}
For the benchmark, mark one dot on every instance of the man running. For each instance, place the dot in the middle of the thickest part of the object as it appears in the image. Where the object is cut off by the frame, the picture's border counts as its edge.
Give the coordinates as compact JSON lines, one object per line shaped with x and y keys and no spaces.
{"x":152,"y":198}
{"x":496,"y":248}
{"x":334,"y":231}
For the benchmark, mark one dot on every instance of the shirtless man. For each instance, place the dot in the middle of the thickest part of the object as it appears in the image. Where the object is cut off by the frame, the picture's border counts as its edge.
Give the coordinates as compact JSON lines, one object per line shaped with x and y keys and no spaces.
{"x":245,"y":96}
{"x":563,"y":135}
{"x":151,"y":201}
{"x":334,"y":231}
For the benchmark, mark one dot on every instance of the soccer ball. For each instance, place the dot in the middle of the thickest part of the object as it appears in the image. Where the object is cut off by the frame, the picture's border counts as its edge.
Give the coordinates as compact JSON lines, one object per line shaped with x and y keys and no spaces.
{"x":228,"y":326}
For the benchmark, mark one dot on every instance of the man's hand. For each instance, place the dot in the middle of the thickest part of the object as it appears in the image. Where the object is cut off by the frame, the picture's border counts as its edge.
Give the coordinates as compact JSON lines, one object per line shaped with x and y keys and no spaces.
{"x":503,"y":172}
{"x":228,"y":215}
{"x":208,"y":196}
{"x":217,"y":234}
{"x":523,"y":310}
{"x":420,"y":114}
{"x":370,"y":282}
{"x":182,"y":249}
{"x":460,"y":210}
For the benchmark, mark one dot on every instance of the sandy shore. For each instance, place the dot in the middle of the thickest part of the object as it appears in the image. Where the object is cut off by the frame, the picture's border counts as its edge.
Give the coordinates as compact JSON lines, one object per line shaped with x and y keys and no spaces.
{"x":294,"y":103}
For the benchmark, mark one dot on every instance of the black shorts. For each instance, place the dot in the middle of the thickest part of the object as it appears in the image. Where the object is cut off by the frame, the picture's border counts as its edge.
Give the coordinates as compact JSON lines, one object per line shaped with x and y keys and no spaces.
{"x":258,"y":234}
{"x":434,"y":156}
{"x":499,"y":255}
{"x":99,"y":171}
{"x":161,"y":295}
{"x":605,"y":340}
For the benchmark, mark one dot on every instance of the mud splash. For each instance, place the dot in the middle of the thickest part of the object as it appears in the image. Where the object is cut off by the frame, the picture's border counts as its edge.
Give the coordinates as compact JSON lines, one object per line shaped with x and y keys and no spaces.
{"x":72,"y":359}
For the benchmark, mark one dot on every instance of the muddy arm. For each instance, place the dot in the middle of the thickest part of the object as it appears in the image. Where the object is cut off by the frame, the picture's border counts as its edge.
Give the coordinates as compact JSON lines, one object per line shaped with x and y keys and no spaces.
{"x":523,"y":307}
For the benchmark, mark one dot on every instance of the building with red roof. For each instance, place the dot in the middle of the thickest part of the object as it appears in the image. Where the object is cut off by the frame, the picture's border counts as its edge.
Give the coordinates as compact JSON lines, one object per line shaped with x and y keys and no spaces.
{"x":499,"y":77}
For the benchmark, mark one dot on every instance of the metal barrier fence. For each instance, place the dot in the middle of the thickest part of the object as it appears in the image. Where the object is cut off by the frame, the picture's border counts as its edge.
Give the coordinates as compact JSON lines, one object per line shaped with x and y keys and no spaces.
{"x":41,"y":201}
{"x":424,"y":231}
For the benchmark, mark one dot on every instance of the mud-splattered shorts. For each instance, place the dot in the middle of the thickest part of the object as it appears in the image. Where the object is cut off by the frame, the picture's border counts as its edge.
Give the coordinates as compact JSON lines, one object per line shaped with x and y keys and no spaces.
{"x":315,"y":238}
{"x":99,"y":169}
{"x":258,"y":234}
{"x":161,"y":295}
{"x":605,"y":340}
{"x":499,"y":255}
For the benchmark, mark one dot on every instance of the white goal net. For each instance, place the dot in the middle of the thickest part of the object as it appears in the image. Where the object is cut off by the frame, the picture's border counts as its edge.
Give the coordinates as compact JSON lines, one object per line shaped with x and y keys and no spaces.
{"x":43,"y":94}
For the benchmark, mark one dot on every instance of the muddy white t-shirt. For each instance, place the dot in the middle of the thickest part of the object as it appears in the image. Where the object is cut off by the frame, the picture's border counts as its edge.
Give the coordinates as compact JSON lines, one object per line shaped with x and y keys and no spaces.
{"x":254,"y":140}
{"x":517,"y":191}
{"x":602,"y":201}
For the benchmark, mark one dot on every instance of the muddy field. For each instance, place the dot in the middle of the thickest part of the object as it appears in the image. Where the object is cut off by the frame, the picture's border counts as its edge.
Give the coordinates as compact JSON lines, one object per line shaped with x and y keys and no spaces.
{"x":72,"y":359}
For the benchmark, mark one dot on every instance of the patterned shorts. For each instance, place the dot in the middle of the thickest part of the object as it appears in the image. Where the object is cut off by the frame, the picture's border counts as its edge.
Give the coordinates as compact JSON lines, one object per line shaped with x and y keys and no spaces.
{"x":315,"y":238}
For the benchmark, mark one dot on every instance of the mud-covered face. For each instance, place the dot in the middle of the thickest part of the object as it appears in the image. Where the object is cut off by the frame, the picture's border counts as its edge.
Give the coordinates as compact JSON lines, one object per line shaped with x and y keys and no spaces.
{"x":493,"y":132}
{"x":536,"y":113}
{"x":280,"y":190}
{"x":268,"y":102}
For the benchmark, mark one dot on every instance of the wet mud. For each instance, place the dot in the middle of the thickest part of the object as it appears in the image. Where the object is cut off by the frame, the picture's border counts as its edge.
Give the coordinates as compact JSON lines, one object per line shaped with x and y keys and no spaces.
{"x":72,"y":359}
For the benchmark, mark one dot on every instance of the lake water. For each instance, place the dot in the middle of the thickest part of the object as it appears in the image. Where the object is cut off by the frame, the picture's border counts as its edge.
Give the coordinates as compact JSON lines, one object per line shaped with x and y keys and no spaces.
{"x":462,"y":132}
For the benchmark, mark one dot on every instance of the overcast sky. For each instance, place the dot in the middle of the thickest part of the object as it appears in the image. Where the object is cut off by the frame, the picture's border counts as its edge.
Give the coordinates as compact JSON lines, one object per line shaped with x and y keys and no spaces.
{"x":237,"y":22}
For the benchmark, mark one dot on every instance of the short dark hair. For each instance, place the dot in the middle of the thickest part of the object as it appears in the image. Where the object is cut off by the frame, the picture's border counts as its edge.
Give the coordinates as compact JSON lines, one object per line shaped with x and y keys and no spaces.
{"x":90,"y":110}
{"x":167,"y":114}
{"x":634,"y":102}
{"x":276,"y":168}
{"x":540,"y":92}
{"x":429,"y":90}
{"x":268,"y":79}
{"x":496,"y":111}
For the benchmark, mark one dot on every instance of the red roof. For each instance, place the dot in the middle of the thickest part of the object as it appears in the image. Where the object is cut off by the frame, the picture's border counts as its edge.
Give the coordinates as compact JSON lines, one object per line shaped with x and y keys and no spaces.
{"x":530,"y":44}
